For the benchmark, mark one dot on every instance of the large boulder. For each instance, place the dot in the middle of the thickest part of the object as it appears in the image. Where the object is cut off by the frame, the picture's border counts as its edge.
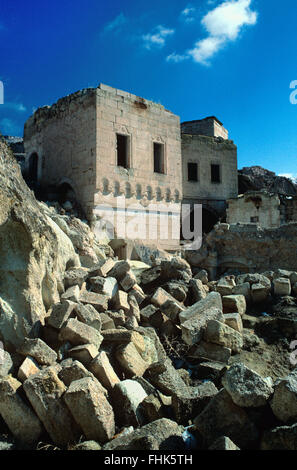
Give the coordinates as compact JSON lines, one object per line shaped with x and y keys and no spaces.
{"x":34,"y":255}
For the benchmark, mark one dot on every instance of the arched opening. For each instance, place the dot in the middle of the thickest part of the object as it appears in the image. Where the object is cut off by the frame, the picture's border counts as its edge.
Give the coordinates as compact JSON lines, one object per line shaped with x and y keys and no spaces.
{"x":33,"y":168}
{"x":66,"y":193}
{"x":209,"y":219}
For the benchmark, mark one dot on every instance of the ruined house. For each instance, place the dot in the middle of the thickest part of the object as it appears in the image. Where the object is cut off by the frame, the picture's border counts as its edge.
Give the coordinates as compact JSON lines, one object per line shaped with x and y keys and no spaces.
{"x":267,"y":209}
{"x":107,"y":147}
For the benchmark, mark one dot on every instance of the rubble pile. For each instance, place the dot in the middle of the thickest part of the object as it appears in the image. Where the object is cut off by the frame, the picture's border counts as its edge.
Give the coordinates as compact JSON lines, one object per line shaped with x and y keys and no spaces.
{"x":118,"y":355}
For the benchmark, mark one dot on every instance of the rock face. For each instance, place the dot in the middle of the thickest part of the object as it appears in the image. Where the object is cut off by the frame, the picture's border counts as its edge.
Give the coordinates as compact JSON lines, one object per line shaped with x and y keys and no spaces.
{"x":256,"y":177}
{"x":34,"y":254}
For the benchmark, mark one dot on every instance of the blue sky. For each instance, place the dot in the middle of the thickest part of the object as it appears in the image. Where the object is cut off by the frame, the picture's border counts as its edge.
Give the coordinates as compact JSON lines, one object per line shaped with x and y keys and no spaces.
{"x":234,"y":59}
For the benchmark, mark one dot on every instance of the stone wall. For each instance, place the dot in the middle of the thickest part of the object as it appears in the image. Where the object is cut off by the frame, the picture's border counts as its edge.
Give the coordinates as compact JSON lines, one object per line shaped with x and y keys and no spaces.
{"x":247,"y":248}
{"x":205,"y":151}
{"x":64,"y":138}
{"x":255,"y":207}
{"x":209,"y":126}
{"x":144,"y":123}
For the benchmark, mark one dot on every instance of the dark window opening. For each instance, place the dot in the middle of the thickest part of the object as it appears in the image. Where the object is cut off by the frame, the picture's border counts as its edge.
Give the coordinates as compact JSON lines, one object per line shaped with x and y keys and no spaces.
{"x":254,"y":220}
{"x":33,"y":168}
{"x":159,"y":164}
{"x":215,"y":173}
{"x":123,"y":150}
{"x":192,"y":172}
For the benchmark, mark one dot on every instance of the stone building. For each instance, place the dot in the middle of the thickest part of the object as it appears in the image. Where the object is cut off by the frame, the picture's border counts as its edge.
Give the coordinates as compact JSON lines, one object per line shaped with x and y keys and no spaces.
{"x":209,"y":168}
{"x":109,"y":148}
{"x":267,"y":209}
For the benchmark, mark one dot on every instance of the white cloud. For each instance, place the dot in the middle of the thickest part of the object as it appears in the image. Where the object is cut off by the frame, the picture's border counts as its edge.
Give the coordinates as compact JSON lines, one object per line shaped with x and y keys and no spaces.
{"x":188,"y":14}
{"x":227,"y":19}
{"x":176,"y":58}
{"x":206,"y":48}
{"x":157,"y":37}
{"x":116,"y":24}
{"x":223,"y":24}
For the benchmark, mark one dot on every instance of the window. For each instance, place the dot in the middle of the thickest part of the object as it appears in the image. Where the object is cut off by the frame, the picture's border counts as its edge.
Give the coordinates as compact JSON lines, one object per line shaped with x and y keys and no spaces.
{"x":254,"y":220}
{"x":192,"y":172}
{"x":215,"y":173}
{"x":159,"y":161}
{"x":123,"y":150}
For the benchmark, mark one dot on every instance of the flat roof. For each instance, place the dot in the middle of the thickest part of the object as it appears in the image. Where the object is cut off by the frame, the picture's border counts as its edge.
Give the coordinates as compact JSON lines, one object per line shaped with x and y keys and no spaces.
{"x":204,"y":119}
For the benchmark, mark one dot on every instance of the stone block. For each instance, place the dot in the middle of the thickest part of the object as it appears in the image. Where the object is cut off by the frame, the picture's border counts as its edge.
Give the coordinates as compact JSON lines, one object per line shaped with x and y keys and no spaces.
{"x":234,"y":321}
{"x":98,"y":301}
{"x":126,"y":398}
{"x":71,"y":294}
{"x":212,"y":352}
{"x":193,"y":329}
{"x":29,"y":367}
{"x":60,"y":314}
{"x":120,"y":301}
{"x":84,"y":353}
{"x":78,"y":333}
{"x":222,"y":417}
{"x":246,"y":387}
{"x":88,"y":315}
{"x":45,"y":391}
{"x":213,"y":300}
{"x":91,"y":409}
{"x":130,"y":360}
{"x":103,"y":371}
{"x":234,"y":303}
{"x":39,"y":350}
{"x":72,"y":370}
{"x":18,"y":416}
{"x":282,"y":287}
{"x":284,"y":400}
{"x":221,"y":334}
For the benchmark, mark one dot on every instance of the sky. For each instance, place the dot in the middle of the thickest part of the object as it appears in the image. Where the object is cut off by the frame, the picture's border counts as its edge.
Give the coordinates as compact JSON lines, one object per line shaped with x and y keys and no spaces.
{"x":234,"y":59}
